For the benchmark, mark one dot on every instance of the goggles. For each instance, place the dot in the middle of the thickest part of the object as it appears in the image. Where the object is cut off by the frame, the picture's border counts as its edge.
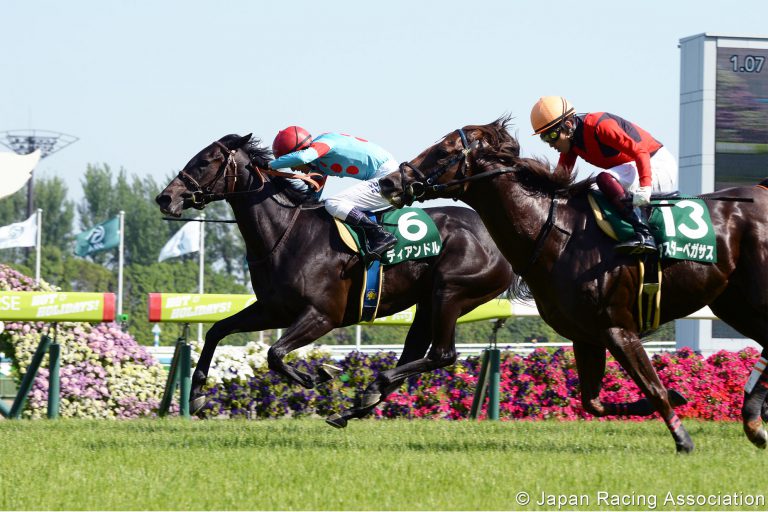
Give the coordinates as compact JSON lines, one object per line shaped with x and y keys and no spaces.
{"x":550,"y":136}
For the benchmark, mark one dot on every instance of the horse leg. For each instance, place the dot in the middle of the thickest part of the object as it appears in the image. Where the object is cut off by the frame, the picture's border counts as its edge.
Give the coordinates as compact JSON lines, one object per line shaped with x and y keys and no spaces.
{"x":415,"y":347}
{"x":764,"y":410}
{"x":309,"y":326}
{"x":252,"y":318}
{"x":626,"y":348}
{"x":752,"y":322}
{"x":755,"y":394}
{"x":442,"y":353}
{"x":590,"y":365}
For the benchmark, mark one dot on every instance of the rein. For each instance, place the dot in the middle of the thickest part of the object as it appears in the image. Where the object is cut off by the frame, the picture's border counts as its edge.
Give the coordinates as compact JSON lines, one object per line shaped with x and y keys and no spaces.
{"x":203,"y":192}
{"x":546,"y":229}
{"x":427,"y":183}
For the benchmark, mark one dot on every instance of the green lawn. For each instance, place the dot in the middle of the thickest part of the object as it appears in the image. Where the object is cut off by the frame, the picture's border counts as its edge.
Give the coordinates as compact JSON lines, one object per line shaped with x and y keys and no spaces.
{"x":384,"y":465}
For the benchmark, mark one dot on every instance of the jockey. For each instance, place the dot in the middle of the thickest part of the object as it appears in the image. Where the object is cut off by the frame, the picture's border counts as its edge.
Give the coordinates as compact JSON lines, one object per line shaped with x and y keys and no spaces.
{"x":335,"y":154}
{"x":635,"y":163}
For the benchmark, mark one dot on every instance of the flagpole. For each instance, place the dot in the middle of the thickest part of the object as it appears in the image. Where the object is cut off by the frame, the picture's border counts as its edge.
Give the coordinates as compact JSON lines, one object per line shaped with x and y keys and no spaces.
{"x":38,"y":244}
{"x":121,"y":250}
{"x":202,"y":267}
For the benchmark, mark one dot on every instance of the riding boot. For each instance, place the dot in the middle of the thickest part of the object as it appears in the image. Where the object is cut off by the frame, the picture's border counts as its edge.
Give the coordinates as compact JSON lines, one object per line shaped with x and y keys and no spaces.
{"x":378,"y":241}
{"x":643,"y":243}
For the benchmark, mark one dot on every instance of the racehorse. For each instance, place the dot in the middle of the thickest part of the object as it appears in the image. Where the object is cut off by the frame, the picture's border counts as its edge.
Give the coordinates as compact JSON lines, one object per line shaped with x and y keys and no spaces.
{"x":308,"y":282}
{"x":541,"y":221}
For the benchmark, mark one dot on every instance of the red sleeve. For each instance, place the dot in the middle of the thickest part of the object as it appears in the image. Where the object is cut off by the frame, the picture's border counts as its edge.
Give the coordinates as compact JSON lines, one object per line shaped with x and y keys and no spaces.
{"x":321,"y":148}
{"x":611,"y":134}
{"x":567,"y":160}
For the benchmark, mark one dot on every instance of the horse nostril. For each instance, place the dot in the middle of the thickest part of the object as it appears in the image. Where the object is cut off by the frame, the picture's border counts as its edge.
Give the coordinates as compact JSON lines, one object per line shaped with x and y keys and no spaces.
{"x":163,"y":200}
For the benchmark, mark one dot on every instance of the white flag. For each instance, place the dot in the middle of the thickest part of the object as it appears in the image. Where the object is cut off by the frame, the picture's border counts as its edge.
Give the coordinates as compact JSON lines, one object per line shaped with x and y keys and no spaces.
{"x":15,"y":171}
{"x":186,"y":240}
{"x":20,"y":234}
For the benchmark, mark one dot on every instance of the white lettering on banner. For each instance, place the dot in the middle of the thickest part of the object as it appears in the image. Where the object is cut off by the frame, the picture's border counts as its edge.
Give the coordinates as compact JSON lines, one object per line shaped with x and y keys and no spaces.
{"x":177,"y":302}
{"x":10,"y":303}
{"x":406,"y":316}
{"x":44,"y":300}
{"x":68,"y":309}
{"x":202,"y":310}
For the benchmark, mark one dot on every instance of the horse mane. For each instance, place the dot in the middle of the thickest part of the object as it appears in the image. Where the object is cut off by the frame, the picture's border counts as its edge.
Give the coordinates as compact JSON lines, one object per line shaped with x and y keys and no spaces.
{"x":499,"y":142}
{"x":535,"y":175}
{"x":260,"y":156}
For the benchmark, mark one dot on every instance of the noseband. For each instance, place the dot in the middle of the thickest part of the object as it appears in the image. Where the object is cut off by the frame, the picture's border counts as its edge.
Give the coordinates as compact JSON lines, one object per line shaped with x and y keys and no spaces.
{"x":204,"y":194}
{"x":418,"y":188}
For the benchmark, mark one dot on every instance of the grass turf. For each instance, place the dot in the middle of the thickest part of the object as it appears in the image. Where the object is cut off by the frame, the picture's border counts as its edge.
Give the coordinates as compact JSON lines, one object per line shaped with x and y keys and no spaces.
{"x":304,"y":464}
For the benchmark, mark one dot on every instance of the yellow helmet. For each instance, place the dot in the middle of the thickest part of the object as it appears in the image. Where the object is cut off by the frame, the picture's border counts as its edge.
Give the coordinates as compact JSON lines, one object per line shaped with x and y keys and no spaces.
{"x":549,"y":111}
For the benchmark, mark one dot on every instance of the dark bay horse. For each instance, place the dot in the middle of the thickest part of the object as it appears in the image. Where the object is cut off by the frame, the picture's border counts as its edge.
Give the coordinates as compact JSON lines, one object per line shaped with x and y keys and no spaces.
{"x":308,"y":283}
{"x":542,"y":223}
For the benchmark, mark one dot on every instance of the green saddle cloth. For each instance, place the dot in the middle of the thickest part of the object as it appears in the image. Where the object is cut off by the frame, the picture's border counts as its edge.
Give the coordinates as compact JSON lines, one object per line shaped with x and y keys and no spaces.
{"x":416,"y":232}
{"x":683,"y":231}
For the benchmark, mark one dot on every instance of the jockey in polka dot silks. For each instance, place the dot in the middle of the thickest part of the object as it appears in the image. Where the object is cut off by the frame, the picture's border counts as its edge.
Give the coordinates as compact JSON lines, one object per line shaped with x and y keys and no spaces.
{"x":336,"y":154}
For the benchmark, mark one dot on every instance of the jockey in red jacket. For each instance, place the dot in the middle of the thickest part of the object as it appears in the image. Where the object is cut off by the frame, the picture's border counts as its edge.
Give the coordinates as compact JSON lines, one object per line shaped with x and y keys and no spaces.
{"x":635,"y":163}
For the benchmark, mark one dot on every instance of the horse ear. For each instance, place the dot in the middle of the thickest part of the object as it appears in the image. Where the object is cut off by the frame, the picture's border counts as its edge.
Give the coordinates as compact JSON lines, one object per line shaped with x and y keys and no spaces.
{"x":242,"y":141}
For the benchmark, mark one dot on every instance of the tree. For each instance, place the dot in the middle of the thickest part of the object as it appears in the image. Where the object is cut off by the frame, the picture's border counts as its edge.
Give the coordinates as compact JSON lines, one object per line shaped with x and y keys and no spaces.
{"x":224,"y":244}
{"x":105,"y":194}
{"x":58,"y":214}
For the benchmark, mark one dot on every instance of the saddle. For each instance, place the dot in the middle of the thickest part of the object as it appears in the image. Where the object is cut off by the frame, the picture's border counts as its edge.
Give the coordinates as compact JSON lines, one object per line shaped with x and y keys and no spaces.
{"x":417,"y":238}
{"x":682,"y":230}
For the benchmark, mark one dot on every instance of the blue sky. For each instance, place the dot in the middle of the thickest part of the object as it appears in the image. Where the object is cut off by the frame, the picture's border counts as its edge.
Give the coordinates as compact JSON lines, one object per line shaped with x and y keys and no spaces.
{"x":145,"y":85}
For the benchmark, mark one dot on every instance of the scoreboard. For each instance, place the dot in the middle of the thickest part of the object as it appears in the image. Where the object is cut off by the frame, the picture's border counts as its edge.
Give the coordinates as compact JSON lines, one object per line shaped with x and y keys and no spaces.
{"x":723,"y":112}
{"x":723,"y":139}
{"x":741,"y":117}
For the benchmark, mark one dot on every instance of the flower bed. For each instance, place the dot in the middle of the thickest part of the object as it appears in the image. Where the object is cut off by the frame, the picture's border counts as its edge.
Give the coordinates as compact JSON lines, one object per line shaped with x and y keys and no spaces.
{"x":104,"y":372}
{"x":542,"y":385}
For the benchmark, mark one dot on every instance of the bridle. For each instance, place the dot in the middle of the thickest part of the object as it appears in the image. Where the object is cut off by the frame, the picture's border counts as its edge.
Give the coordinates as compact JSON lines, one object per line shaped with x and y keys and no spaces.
{"x":417,"y":189}
{"x":204,"y":194}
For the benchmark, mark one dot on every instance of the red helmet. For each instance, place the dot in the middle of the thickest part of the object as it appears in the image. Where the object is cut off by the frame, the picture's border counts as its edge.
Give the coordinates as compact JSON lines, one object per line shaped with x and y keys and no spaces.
{"x":289,"y":140}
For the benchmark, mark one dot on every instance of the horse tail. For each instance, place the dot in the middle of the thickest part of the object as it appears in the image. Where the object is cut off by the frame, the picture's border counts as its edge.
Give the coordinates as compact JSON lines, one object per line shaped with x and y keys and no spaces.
{"x":518,"y":290}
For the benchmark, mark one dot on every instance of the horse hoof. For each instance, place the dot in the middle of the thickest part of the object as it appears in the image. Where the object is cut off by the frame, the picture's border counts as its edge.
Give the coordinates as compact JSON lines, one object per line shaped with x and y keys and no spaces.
{"x":684,"y":447}
{"x":370,"y":399}
{"x":683,"y":441}
{"x":197,"y":404}
{"x":327,"y":372}
{"x":756,"y":433}
{"x":198,"y":378}
{"x":335,"y":420}
{"x":676,"y":399}
{"x":760,"y":439}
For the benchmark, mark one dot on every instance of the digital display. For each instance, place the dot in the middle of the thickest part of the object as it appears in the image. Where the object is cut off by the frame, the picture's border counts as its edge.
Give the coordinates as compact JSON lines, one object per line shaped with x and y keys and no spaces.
{"x":741,"y":119}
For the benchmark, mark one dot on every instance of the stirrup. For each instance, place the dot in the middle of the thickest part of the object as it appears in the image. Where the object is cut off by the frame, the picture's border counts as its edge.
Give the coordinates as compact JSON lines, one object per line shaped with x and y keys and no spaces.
{"x":636,"y":247}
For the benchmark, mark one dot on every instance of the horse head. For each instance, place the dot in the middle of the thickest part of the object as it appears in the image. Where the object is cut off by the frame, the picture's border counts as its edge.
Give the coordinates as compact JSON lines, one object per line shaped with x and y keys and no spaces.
{"x":446,"y":168}
{"x":212,"y":174}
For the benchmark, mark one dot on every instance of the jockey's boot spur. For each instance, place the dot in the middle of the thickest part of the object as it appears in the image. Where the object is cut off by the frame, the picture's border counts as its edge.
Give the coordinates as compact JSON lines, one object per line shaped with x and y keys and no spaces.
{"x":643,"y":243}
